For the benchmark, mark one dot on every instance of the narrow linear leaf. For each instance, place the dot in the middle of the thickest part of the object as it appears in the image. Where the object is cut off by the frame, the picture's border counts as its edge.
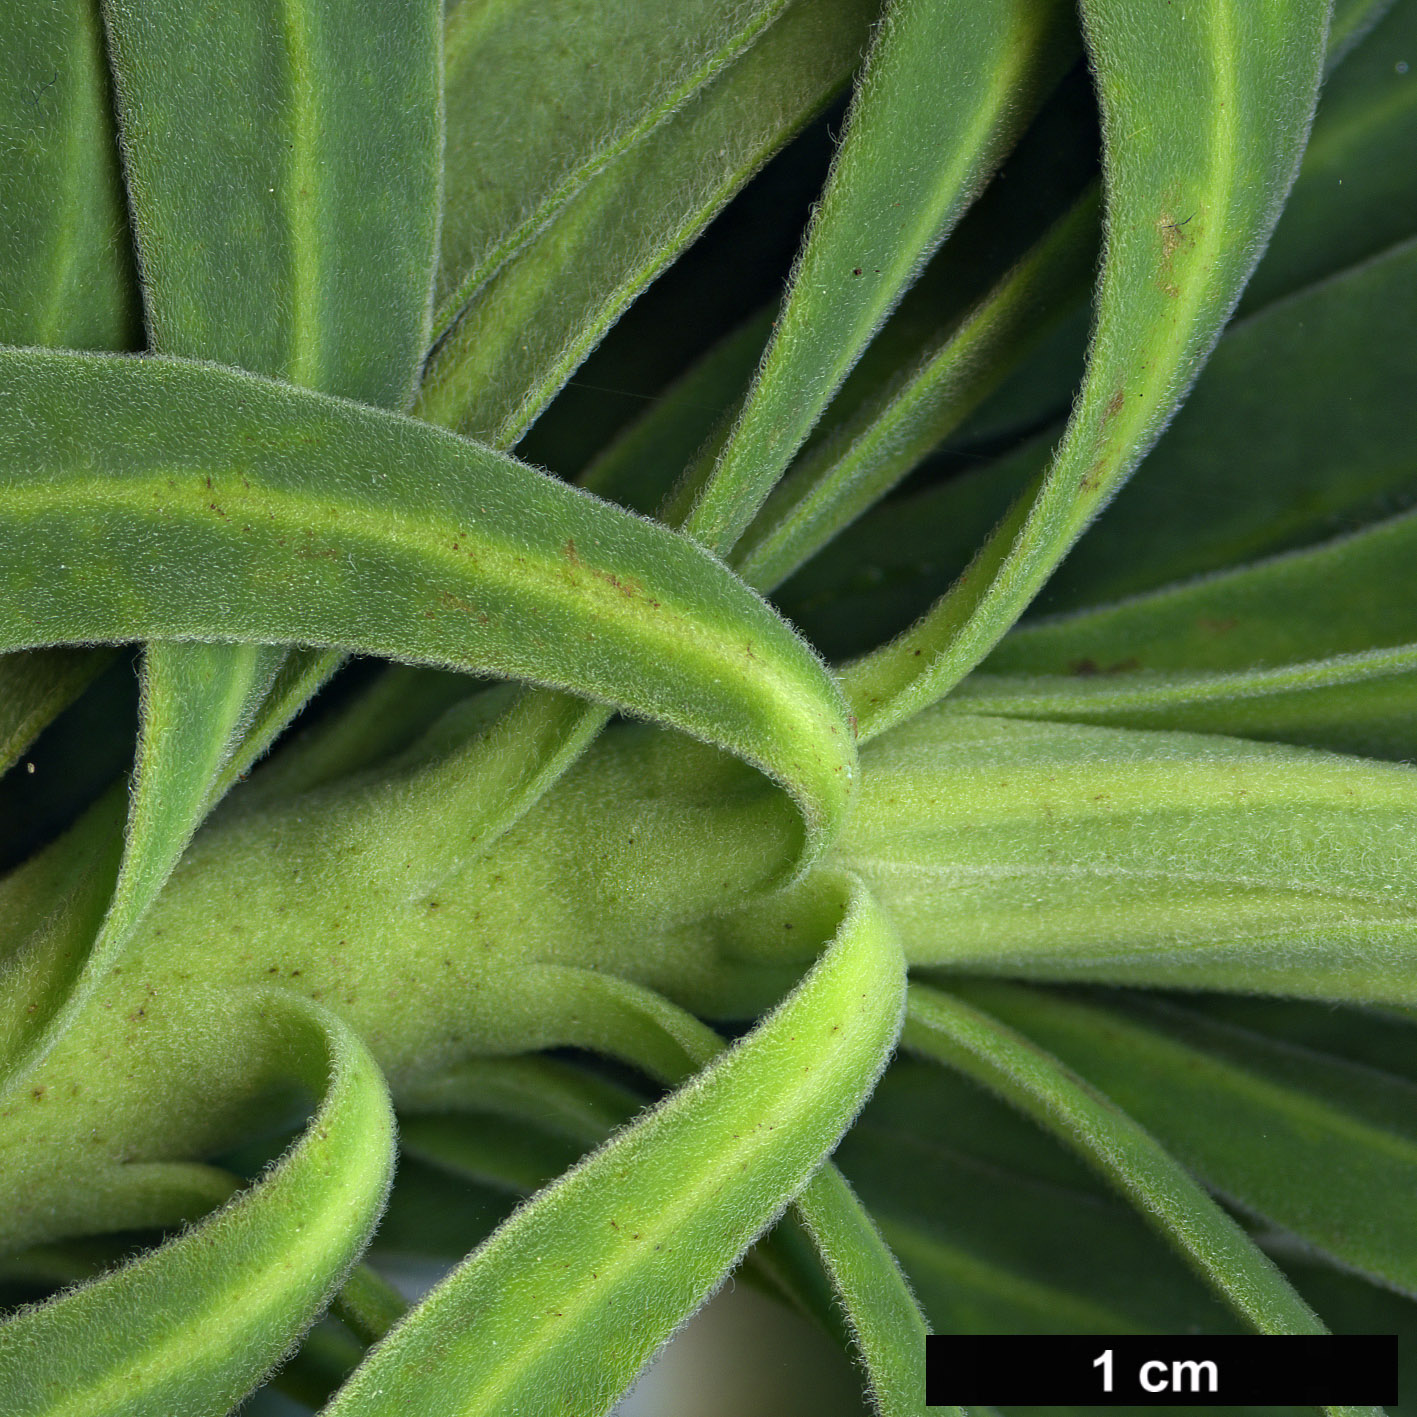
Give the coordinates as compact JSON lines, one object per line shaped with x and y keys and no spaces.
{"x":192,"y":1326}
{"x":65,"y":275}
{"x":638,"y":1026}
{"x":66,"y":278}
{"x":1004,"y":1230}
{"x":136,"y":1195}
{"x":886,"y":1322}
{"x":550,"y":1093}
{"x":1205,"y":113}
{"x":542,"y":96}
{"x":1322,"y":1148}
{"x":1308,"y":395}
{"x":368,"y":1305}
{"x":1352,"y":20}
{"x":1327,"y":224}
{"x":544,"y":311}
{"x":537,"y":1105}
{"x":491,"y":1151}
{"x":1354,"y":196}
{"x":945,"y":90}
{"x":316,"y":521}
{"x":248,"y":233}
{"x":230,"y":274}
{"x":1010,"y":1065}
{"x":1297,"y":622}
{"x":593,"y":1276}
{"x":637,"y":468}
{"x":1167,"y":859}
{"x":401,"y":703}
{"x":195,"y":711}
{"x":889,"y":435}
{"x":535,"y":321}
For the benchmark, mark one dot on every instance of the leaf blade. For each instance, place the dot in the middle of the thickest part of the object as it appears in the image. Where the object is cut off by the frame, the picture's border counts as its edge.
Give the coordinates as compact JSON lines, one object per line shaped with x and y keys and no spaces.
{"x":147,"y":1338}
{"x":563,"y":565}
{"x":1169,"y":281}
{"x":1009,"y":1064}
{"x":522,"y":1350}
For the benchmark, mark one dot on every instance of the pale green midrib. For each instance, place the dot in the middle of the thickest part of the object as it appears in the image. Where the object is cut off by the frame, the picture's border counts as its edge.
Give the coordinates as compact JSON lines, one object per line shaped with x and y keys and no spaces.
{"x":1282,"y":889}
{"x":803,"y":1108}
{"x":544,"y":213}
{"x":1168,"y":688}
{"x":504,"y":564}
{"x":308,"y":325}
{"x":303,"y":1247}
{"x":1045,"y":1299}
{"x":1273,"y":780}
{"x":66,"y":239}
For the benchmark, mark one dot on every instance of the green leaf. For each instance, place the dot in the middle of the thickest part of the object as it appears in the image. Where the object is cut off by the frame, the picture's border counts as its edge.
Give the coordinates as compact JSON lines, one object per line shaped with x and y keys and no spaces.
{"x":546,"y":309}
{"x":1352,"y":19}
{"x":116,"y":1197}
{"x":1317,"y":235}
{"x":1323,"y":1148}
{"x":638,"y":467}
{"x":1206,"y":110}
{"x":886,"y":437}
{"x":1161,"y":858}
{"x":1355,"y":194}
{"x":1016,"y":1069}
{"x":65,"y":274}
{"x":542,"y":96}
{"x":631,"y":1023}
{"x":192,"y":1326}
{"x":539,"y":316}
{"x":249,"y":232}
{"x":66,"y":278}
{"x":491,"y":1151}
{"x":576,"y":1292}
{"x":245,"y":260}
{"x":243,"y":509}
{"x":946,"y":89}
{"x":1309,"y":397}
{"x":549,"y":1093}
{"x":886,"y":1322}
{"x":1000,"y":1228}
{"x":1291,"y":625}
{"x":628,"y":1022}
{"x":194,"y":713}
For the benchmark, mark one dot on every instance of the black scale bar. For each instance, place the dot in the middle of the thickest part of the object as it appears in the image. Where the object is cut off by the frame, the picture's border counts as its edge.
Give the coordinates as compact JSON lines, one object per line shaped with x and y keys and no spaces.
{"x":1201,"y":1371}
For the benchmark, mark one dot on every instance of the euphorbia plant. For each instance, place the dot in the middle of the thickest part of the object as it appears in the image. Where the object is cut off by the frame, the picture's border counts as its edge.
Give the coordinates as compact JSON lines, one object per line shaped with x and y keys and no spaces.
{"x":282,"y":286}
